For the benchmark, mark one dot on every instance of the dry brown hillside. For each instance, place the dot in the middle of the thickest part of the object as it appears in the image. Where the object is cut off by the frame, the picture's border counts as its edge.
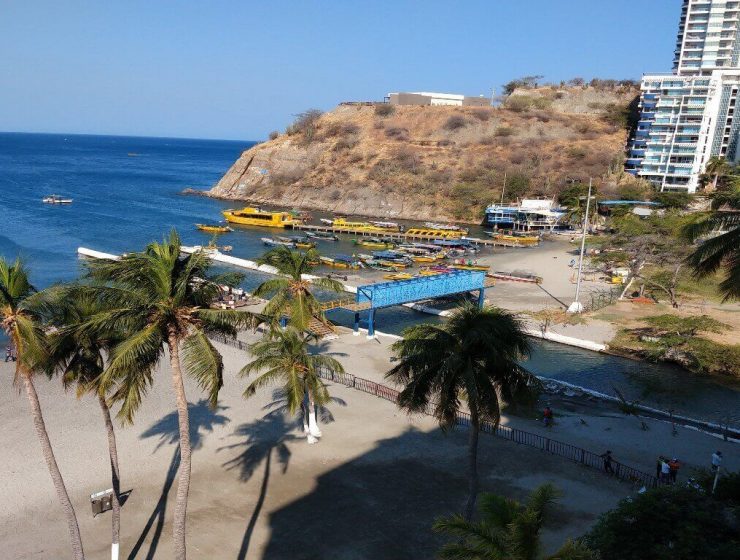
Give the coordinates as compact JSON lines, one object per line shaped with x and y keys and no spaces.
{"x":435,"y":162}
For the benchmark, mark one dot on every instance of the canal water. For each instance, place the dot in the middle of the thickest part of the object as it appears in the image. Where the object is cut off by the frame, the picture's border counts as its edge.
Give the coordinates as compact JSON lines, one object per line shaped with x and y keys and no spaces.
{"x":126,"y":193}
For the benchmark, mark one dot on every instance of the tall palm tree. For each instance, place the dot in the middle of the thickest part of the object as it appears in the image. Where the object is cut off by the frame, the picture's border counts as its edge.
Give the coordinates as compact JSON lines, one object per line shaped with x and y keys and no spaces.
{"x":473,"y":357}
{"x":161,"y":300}
{"x":21,"y":321}
{"x":284,"y":356}
{"x":507,"y":529}
{"x":290,"y":295}
{"x":720,"y":251}
{"x":78,"y":354}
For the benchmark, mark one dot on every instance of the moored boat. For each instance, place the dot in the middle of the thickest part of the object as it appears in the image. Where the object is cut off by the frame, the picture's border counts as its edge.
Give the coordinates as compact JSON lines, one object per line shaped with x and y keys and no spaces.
{"x":210,"y":228}
{"x":321,"y":236}
{"x":398,"y":276}
{"x":374,"y":243}
{"x":250,"y":216}
{"x":270,"y":242}
{"x":340,"y":261}
{"x":462,"y":264}
{"x":445,"y":227}
{"x":430,"y":233}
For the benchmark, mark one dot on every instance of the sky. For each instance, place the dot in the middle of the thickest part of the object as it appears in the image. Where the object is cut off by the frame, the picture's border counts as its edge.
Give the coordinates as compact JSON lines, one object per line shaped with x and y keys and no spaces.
{"x":240,"y":69}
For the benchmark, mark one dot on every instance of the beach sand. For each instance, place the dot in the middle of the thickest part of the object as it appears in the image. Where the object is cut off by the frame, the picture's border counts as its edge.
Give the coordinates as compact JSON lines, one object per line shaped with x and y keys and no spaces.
{"x":370,"y":489}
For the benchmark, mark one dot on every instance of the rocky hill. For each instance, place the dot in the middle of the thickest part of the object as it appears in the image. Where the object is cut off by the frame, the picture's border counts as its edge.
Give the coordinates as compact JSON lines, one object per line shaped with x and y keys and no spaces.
{"x":442,"y":163}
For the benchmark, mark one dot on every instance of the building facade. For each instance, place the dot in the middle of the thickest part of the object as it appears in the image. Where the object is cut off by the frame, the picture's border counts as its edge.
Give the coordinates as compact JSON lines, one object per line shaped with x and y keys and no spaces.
{"x":688,"y":116}
{"x":432,"y":98}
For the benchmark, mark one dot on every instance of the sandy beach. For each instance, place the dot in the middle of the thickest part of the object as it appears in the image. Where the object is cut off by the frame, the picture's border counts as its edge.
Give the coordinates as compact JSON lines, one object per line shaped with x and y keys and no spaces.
{"x":371,"y":488}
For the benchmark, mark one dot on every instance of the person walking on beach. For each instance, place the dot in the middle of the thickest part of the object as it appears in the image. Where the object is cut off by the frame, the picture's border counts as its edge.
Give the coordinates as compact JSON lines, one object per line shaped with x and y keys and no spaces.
{"x":607,"y":457}
{"x":8,"y":354}
{"x":674,"y":465}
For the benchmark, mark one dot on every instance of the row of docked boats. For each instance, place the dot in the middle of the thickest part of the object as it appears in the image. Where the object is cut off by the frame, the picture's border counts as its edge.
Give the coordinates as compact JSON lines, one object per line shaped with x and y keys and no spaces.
{"x":296,"y":242}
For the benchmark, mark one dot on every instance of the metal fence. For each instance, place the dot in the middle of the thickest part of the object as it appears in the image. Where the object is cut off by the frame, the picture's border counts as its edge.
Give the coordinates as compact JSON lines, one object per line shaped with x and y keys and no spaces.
{"x":598,"y":299}
{"x":555,"y":447}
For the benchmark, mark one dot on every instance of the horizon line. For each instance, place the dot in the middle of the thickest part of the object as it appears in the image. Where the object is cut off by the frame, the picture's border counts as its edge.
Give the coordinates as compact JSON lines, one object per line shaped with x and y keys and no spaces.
{"x":129,"y":136}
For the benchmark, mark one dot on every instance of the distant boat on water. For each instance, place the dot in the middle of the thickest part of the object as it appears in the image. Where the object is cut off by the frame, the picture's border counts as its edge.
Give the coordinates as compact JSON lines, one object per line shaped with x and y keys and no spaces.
{"x":56,"y":199}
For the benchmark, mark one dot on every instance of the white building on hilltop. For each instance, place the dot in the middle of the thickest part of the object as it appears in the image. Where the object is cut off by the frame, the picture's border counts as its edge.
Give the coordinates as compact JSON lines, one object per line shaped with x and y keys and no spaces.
{"x":688,"y":116}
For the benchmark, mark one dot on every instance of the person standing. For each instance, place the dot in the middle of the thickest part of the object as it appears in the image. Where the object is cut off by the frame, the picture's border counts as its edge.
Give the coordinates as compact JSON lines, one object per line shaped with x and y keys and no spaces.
{"x":547,"y":416}
{"x":716,"y":460}
{"x":674,"y":465}
{"x":8,"y":354}
{"x":665,"y":472}
{"x":607,"y":457}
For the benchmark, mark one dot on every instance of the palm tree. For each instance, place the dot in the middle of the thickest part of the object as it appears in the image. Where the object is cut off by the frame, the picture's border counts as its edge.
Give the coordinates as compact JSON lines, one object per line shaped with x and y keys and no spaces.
{"x":717,"y":169}
{"x":720,"y":251}
{"x":290,"y":295}
{"x":474,"y":356}
{"x":507,"y":530}
{"x":161,"y":300}
{"x":78,"y":355}
{"x":284,"y":356}
{"x":21,"y":321}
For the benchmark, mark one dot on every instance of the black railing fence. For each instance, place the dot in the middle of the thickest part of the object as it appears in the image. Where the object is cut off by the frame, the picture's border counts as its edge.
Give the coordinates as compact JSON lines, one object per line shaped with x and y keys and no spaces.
{"x":555,"y":447}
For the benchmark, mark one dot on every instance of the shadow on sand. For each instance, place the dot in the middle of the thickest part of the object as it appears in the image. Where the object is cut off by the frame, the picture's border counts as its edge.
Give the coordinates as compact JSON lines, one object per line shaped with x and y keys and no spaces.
{"x":203,"y":420}
{"x":260,"y":441}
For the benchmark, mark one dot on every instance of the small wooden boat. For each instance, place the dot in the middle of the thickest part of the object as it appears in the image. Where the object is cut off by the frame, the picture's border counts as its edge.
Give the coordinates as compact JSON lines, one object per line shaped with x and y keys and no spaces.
{"x":270,"y":242}
{"x":340,"y":261}
{"x":373,"y":243}
{"x":445,"y":227}
{"x":398,"y":276}
{"x":321,"y":236}
{"x":299,"y":242}
{"x":56,"y":199}
{"x":210,"y":228}
{"x":423,"y":258}
{"x":468,"y":265}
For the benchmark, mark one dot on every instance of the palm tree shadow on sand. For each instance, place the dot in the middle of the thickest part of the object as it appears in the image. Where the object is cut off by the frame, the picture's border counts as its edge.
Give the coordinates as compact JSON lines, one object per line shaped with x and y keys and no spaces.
{"x":203,"y":420}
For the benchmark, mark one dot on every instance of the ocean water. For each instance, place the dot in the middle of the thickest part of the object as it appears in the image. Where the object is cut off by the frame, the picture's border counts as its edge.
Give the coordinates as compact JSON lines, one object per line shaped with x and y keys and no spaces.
{"x":126,"y":193}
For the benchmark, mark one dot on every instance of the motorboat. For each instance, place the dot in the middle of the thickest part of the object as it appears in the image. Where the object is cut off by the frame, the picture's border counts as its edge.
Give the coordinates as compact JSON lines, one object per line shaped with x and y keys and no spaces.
{"x":321,"y":236}
{"x":56,"y":199}
{"x":210,"y":228}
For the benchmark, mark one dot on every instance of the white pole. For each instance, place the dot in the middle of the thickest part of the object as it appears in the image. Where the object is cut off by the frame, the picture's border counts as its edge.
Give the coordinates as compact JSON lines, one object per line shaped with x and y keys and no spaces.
{"x":576,"y":307}
{"x":503,"y":189}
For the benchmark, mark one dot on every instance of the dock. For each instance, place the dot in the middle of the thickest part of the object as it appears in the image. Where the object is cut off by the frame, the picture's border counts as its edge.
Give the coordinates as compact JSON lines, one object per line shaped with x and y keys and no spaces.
{"x":403,"y":236}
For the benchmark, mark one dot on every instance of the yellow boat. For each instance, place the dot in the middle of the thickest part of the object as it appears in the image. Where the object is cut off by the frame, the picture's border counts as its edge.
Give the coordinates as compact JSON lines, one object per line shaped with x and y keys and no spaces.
{"x":339,"y":263}
{"x":398,"y":276}
{"x":213,"y":229}
{"x":435,"y":233}
{"x":255,"y":217}
{"x":429,"y":272}
{"x":469,"y":266}
{"x":424,"y":259}
{"x":374,"y":244}
{"x":341,"y":223}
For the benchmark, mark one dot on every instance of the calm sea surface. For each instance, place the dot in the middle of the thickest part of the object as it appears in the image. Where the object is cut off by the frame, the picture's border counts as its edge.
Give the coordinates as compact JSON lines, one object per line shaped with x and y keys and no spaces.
{"x":126,"y":193}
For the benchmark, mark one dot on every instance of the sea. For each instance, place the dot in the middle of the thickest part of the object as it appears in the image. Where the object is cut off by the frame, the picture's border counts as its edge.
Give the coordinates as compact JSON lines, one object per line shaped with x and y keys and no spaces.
{"x":127,"y":192}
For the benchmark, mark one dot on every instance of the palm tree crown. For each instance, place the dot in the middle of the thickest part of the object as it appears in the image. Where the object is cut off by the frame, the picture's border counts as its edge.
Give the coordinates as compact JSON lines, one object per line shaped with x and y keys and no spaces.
{"x":507,"y":530}
{"x":723,"y":250}
{"x":474,"y":356}
{"x":290,"y":295}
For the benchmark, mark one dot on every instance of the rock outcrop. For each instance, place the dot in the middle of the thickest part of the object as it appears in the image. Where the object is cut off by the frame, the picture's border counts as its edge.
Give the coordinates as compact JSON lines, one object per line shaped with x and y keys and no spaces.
{"x":441,"y":163}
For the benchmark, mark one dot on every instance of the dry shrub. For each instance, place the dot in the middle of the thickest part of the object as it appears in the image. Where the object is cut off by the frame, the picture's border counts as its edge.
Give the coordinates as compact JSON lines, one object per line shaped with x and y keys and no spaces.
{"x":336,"y":194}
{"x":444,"y":142}
{"x":517,"y":158}
{"x":455,"y":122}
{"x":583,"y":127}
{"x":482,"y":114}
{"x":378,"y":125}
{"x":354,"y":158}
{"x":341,"y":129}
{"x":503,"y":131}
{"x":347,"y":143}
{"x":306,"y":124}
{"x":274,"y":134}
{"x":384,"y":110}
{"x":487,"y":140}
{"x":287,"y":177}
{"x":576,"y":152}
{"x":397,"y":133}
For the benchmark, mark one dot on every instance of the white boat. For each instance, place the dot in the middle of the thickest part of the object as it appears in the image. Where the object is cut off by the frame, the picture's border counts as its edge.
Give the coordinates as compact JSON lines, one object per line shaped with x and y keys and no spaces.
{"x":444,"y":227}
{"x":387,"y":225}
{"x":276,"y":242}
{"x":326,"y":221}
{"x":56,"y":199}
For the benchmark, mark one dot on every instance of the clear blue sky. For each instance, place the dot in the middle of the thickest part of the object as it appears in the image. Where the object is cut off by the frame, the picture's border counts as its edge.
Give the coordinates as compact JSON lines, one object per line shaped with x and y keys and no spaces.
{"x":238,"y":69}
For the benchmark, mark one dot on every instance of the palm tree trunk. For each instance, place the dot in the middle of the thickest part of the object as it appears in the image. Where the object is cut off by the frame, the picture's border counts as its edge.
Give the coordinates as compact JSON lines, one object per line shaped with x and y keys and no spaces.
{"x":115,"y":479}
{"x":472,"y":464}
{"x":183,"y":481}
{"x":313,"y":427}
{"x":51,"y":463}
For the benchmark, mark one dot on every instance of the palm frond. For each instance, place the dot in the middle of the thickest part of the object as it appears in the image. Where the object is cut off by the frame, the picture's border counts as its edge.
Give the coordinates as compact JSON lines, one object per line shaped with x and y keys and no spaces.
{"x":204,"y":364}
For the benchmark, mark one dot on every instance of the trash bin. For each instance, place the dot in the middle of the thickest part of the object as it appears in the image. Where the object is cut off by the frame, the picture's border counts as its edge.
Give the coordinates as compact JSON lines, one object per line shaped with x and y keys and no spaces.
{"x":101,"y":501}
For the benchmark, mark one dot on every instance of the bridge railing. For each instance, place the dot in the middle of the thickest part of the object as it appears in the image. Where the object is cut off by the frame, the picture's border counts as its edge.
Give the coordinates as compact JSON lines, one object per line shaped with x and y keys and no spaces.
{"x":547,"y":444}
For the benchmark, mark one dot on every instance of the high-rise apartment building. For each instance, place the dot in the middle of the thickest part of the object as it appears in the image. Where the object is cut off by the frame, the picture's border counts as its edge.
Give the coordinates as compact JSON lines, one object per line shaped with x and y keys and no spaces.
{"x":688,"y":116}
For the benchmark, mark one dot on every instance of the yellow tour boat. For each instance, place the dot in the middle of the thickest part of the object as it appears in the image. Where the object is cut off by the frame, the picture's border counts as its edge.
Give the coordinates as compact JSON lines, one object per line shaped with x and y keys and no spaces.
{"x":213,"y":228}
{"x":469,"y":266}
{"x":342,"y":223}
{"x":435,"y":233}
{"x":255,"y":217}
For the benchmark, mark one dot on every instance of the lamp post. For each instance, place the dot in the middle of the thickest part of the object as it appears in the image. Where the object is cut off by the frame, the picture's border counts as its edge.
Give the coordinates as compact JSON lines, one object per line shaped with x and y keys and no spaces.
{"x":577,"y":306}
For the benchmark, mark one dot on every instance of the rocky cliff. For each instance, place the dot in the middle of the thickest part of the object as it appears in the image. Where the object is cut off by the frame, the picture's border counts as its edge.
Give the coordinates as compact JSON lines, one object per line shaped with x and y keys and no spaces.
{"x":442,"y":163}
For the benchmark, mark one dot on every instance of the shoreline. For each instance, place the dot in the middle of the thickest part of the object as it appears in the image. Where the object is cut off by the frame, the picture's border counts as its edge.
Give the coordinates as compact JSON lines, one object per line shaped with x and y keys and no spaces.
{"x":727,"y":433}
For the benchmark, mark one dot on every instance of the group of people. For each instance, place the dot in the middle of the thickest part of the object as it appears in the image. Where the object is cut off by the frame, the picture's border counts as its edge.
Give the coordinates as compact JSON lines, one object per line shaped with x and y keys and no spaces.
{"x":667,"y":470}
{"x":10,"y":354}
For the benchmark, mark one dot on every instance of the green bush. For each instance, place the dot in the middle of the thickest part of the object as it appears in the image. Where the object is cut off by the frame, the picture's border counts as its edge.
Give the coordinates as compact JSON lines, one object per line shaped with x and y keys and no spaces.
{"x":668,"y":523}
{"x":522,"y":103}
{"x":672,"y":199}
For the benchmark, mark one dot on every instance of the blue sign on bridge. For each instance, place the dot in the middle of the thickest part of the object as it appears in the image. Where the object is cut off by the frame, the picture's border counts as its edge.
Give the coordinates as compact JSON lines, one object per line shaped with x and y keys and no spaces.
{"x":415,"y":289}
